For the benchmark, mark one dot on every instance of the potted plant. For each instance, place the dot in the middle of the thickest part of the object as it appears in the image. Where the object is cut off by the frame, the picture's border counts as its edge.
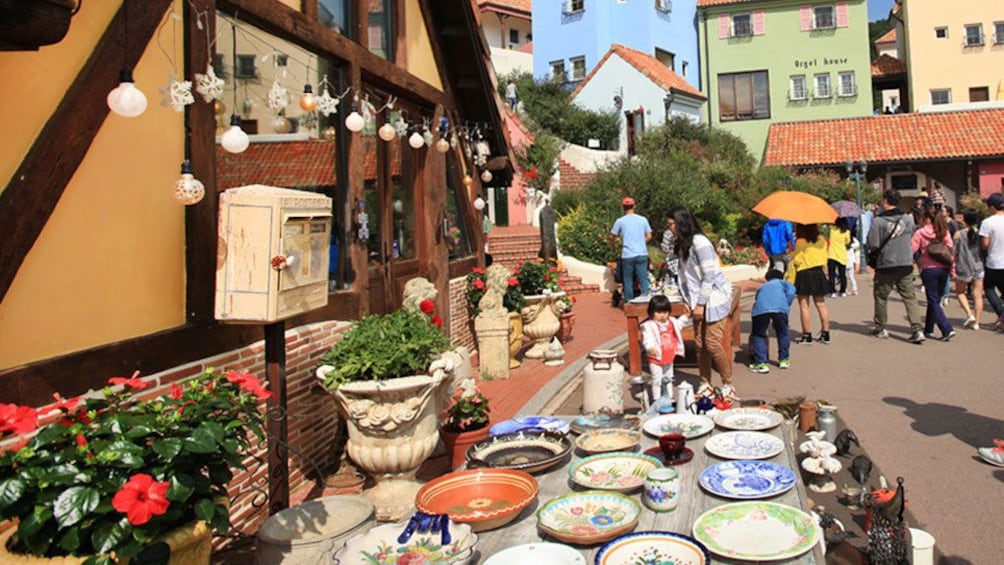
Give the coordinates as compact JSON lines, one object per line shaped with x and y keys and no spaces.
{"x":538,"y":280}
{"x":512,"y":300}
{"x":466,"y":424}
{"x":118,"y":477}
{"x":567,"y":318}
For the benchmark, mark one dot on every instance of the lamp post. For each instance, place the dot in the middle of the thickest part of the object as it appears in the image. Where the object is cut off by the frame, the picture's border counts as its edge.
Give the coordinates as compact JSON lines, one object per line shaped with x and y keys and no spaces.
{"x":857,"y":172}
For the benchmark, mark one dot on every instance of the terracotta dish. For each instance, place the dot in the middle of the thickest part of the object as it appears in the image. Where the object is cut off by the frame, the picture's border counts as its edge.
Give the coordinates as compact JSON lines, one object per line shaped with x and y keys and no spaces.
{"x":522,"y":451}
{"x":484,"y":498}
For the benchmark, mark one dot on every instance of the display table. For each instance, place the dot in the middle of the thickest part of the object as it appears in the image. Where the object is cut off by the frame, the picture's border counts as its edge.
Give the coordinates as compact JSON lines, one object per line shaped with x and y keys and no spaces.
{"x":693,"y":500}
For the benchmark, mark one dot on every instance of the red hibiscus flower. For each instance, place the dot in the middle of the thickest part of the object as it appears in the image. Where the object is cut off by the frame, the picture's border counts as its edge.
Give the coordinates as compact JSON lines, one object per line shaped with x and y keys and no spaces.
{"x":141,"y":498}
{"x":176,"y":391}
{"x":66,"y":406}
{"x":427,"y":306}
{"x":513,"y":281}
{"x":81,"y":440}
{"x":532,"y":173}
{"x":17,"y":419}
{"x":250,"y":383}
{"x":132,"y":382}
{"x":437,"y":321}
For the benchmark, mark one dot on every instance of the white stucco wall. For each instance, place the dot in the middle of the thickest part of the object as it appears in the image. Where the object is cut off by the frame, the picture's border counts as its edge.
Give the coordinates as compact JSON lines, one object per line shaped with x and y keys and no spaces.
{"x":507,"y":60}
{"x":587,"y":160}
{"x":497,"y":32}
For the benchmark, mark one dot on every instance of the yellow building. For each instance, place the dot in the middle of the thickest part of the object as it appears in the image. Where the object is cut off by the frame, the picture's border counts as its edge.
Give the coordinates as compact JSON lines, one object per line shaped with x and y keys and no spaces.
{"x":954,"y":51}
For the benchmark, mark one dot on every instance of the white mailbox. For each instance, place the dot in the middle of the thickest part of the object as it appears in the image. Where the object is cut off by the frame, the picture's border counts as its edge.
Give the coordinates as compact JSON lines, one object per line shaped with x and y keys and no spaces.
{"x":272,"y":261}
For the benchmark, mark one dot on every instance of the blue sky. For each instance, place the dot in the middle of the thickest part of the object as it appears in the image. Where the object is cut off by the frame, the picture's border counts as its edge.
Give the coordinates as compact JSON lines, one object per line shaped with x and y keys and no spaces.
{"x":878,"y":9}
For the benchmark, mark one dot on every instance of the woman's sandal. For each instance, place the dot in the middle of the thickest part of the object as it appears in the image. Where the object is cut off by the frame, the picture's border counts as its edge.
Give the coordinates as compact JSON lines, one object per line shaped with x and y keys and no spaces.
{"x":993,"y":455}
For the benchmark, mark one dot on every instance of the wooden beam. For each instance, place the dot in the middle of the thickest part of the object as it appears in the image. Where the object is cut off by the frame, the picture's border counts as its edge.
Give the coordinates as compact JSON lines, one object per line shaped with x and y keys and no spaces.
{"x":39,"y":182}
{"x":309,"y":8}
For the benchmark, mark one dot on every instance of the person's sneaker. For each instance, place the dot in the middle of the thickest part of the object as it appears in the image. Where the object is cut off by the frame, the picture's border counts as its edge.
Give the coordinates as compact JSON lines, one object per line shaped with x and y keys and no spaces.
{"x":917,"y":337}
{"x":729,"y":392}
{"x":881,"y":333}
{"x":970,"y":322}
{"x":948,"y":336}
{"x":944,"y":301}
{"x":784,"y":364}
{"x":759,"y":368}
{"x":806,"y":339}
{"x":976,"y":327}
{"x":833,"y":295}
{"x":824,"y":338}
{"x":843,"y":295}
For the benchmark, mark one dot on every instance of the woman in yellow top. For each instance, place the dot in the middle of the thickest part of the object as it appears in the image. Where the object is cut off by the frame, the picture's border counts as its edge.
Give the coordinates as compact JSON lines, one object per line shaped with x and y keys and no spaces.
{"x":840,"y":240}
{"x":806,"y":269}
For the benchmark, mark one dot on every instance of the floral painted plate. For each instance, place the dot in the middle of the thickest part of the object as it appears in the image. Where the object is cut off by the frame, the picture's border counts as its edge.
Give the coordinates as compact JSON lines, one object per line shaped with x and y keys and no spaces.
{"x":750,"y":419}
{"x":379,"y":546}
{"x":538,"y":554}
{"x":690,"y":425}
{"x":744,"y":445}
{"x":757,"y":531}
{"x":619,"y":471}
{"x":531,"y":423}
{"x":747,"y":479}
{"x":642,"y":548}
{"x":531,"y":452}
{"x":603,"y":441}
{"x":590,"y":517}
{"x":592,"y":422}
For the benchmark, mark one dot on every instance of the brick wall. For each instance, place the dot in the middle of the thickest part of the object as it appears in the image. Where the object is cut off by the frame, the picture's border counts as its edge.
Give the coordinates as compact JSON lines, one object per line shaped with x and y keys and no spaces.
{"x":572,"y":178}
{"x":461,"y":329}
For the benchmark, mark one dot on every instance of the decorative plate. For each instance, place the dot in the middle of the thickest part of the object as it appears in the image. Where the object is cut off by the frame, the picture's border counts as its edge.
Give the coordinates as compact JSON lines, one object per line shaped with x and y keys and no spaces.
{"x":757,"y":531}
{"x":602,"y":441}
{"x":538,"y":554}
{"x":592,"y":422}
{"x":642,"y":548}
{"x":690,"y":425}
{"x":484,"y":498}
{"x":744,"y":445}
{"x":751,"y":419}
{"x":522,"y":451}
{"x":747,"y":479}
{"x":379,"y":546}
{"x":530,"y":423}
{"x":590,"y":517}
{"x":620,"y":471}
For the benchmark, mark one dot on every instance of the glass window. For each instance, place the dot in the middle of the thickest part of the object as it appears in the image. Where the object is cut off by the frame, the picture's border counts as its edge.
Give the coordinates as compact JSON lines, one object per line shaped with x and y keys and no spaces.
{"x":744,"y":96}
{"x":578,"y":68}
{"x":456,"y":232}
{"x":847,"y":87}
{"x":402,"y":162}
{"x":742,"y":25}
{"x":336,"y":15}
{"x":572,"y":6}
{"x":558,"y":70}
{"x":998,"y":33}
{"x":941,"y":32}
{"x":823,"y":17}
{"x":683,"y":68}
{"x":797,"y":91}
{"x":822,"y":86}
{"x":372,"y":201}
{"x":513,"y":36}
{"x":381,"y":35}
{"x":941,"y":96}
{"x":974,"y":34}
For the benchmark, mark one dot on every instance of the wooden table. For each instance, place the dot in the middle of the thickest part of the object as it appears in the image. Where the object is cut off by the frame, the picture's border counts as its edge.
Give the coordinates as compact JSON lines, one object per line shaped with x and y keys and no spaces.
{"x":693,"y":501}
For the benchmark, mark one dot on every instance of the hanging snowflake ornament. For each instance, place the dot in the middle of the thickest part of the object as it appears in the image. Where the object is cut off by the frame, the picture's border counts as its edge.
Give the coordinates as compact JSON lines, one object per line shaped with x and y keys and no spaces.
{"x":177,"y":94}
{"x":278,"y":96}
{"x":326,"y":104}
{"x":401,"y":126}
{"x":209,"y":85}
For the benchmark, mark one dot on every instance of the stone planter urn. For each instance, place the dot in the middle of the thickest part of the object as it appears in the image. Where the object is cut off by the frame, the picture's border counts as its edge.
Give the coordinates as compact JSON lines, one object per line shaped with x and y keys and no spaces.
{"x":515,"y":338}
{"x":541,"y":322}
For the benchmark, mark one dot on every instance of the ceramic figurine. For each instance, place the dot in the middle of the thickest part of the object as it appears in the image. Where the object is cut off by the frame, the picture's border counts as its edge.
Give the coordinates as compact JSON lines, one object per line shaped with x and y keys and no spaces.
{"x":861,"y":467}
{"x":664,"y":403}
{"x":820,"y":462}
{"x":887,"y":531}
{"x":844,"y":441}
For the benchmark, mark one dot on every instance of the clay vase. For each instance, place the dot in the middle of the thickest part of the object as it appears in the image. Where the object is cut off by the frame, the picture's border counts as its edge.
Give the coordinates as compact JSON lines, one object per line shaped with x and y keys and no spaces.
{"x":457,"y":443}
{"x":515,"y":338}
{"x":540,"y":322}
{"x":806,"y":416}
{"x":567,"y":321}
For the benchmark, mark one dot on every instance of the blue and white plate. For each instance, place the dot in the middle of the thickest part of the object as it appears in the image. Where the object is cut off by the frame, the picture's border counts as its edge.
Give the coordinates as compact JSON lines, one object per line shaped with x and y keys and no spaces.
{"x":747,"y":479}
{"x":744,"y":445}
{"x":533,"y":423}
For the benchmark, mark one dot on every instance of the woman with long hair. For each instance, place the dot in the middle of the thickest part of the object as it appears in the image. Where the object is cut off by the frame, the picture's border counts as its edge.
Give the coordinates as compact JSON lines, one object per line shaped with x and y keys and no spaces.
{"x":969,"y":268}
{"x":934,"y":271}
{"x":810,"y":282}
{"x":707,"y":294}
{"x":840,"y":241}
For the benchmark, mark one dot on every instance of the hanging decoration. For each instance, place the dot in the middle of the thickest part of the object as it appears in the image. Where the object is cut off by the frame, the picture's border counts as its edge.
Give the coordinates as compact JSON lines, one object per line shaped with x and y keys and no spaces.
{"x":177,"y":94}
{"x":188,"y":190}
{"x":442,"y":145}
{"x":416,"y":141}
{"x":354,"y":122}
{"x":278,"y":96}
{"x":486,"y":176}
{"x":387,"y":132}
{"x":326,"y":104}
{"x":125,"y":99}
{"x":234,"y":140}
{"x":401,"y":126}
{"x":208,"y":85}
{"x":308,"y":102}
{"x":479,"y":203}
{"x":427,"y":138}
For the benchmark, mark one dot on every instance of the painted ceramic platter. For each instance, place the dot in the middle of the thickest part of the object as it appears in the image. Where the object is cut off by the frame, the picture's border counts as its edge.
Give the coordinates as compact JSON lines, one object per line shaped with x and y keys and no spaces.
{"x":587,"y":518}
{"x":690,"y":425}
{"x":747,"y":479}
{"x":603,"y":441}
{"x":653,"y":547}
{"x":530,"y":423}
{"x":523,"y":451}
{"x":757,"y":531}
{"x":744,"y":445}
{"x":379,"y":546}
{"x":751,"y":419}
{"x":592,"y":422}
{"x":538,"y":554}
{"x":619,"y":471}
{"x":483,"y":498}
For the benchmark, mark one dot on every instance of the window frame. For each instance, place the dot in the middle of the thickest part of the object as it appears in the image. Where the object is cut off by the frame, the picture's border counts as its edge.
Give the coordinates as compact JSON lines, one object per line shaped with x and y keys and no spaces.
{"x":946,"y":91}
{"x":573,"y":6}
{"x":941,"y":29}
{"x":683,"y":68}
{"x":980,"y":40}
{"x":572,"y":61}
{"x":999,"y":33}
{"x":240,"y":67}
{"x":512,"y":31}
{"x":555,"y":75}
{"x":815,"y":17}
{"x":816,"y":91}
{"x":792,"y":94}
{"x":734,"y":28}
{"x":984,"y":89}
{"x":840,"y":84}
{"x":751,"y":77}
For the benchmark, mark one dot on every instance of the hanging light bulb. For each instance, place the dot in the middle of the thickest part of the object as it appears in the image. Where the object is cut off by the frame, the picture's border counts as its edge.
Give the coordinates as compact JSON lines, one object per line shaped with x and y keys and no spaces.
{"x":234,"y":139}
{"x":416,"y":141}
{"x":468,"y":181}
{"x":479,"y":203}
{"x":442,"y":145}
{"x":387,"y":132}
{"x":281,"y":125}
{"x":355,"y":122}
{"x":125,"y":99}
{"x":188,"y":190}
{"x":486,"y":176}
{"x":219,"y":108}
{"x":308,"y":102}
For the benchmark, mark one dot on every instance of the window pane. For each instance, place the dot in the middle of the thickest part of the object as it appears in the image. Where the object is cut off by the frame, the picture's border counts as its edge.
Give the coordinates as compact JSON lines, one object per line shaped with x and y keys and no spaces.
{"x":726,"y":98}
{"x":336,"y":15}
{"x":761,"y":100}
{"x":456,"y":232}
{"x":824,"y":16}
{"x":380,"y":28}
{"x":372,"y":203}
{"x":741,"y":25}
{"x":744,"y":96}
{"x":402,"y":177}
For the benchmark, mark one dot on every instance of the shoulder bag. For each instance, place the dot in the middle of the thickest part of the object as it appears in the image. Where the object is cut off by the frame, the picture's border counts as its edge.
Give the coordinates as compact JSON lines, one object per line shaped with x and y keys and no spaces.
{"x":873,"y":255}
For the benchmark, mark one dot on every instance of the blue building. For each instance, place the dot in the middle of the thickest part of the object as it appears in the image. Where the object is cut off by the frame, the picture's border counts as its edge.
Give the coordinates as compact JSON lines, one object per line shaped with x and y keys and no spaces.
{"x":571,"y":36}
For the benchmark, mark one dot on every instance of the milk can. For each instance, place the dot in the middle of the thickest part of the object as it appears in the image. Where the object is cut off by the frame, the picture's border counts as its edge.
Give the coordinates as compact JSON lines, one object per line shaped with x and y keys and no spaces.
{"x":826,"y":421}
{"x":603,"y":383}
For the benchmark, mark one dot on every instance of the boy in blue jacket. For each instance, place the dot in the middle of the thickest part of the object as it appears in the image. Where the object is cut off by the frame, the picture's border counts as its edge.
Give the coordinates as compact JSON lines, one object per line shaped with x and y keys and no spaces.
{"x":778,"y":240}
{"x":773,"y":301}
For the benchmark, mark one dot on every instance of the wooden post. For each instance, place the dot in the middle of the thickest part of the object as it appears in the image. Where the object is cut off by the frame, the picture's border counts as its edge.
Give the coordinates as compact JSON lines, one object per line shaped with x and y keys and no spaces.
{"x":275,"y":369}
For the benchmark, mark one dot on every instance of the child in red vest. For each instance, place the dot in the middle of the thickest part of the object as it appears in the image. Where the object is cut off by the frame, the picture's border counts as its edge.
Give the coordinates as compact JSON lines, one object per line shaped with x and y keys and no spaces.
{"x":662,"y":338}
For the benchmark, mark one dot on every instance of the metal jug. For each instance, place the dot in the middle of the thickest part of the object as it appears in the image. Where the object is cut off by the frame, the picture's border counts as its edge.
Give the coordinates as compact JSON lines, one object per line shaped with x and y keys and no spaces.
{"x":684,"y":397}
{"x":603,"y":383}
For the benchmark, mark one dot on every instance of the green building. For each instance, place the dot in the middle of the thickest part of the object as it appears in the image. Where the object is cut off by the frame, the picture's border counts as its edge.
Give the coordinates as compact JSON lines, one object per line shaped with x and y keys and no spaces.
{"x":767,"y":61}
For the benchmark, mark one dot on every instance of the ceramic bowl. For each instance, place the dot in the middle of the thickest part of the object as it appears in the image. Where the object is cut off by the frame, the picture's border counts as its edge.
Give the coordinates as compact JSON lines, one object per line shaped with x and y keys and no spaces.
{"x":483,"y":498}
{"x":587,"y":518}
{"x":593,"y":422}
{"x":653,"y":547}
{"x":603,"y":441}
{"x":618,"y":471}
{"x":690,"y":425}
{"x":379,"y":546}
{"x":531,"y":452}
{"x":530,"y":423}
{"x":311,"y":532}
{"x":539,"y":553}
{"x":752,"y":419}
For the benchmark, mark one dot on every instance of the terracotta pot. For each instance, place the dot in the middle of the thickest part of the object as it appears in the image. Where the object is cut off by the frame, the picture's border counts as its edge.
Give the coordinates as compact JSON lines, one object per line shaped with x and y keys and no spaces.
{"x":807,"y":416}
{"x":457,"y":443}
{"x":567,"y":323}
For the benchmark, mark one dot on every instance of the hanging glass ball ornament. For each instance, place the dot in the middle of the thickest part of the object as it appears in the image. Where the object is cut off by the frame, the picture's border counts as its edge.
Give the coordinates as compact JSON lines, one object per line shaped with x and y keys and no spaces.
{"x":308,"y":103}
{"x":468,"y":181}
{"x":234,"y":139}
{"x":442,"y":145}
{"x":188,"y":190}
{"x":479,"y":203}
{"x":330,"y":133}
{"x":416,"y":141}
{"x":219,"y":108}
{"x":281,"y":125}
{"x":355,"y":122}
{"x":387,"y":132}
{"x":486,"y":176}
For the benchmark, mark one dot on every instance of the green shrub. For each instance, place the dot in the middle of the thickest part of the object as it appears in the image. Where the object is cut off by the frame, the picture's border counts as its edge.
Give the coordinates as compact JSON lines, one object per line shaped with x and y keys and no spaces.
{"x":564,"y":201}
{"x":584,"y":234}
{"x":536,"y":276}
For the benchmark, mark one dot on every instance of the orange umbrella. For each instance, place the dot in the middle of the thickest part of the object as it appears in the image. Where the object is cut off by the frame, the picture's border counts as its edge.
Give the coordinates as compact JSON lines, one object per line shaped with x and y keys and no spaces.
{"x":797,"y":207}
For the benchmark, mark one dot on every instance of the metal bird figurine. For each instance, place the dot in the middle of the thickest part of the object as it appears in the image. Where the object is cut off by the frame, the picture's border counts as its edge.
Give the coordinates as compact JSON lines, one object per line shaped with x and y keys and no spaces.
{"x":861,"y":467}
{"x":843,"y":442}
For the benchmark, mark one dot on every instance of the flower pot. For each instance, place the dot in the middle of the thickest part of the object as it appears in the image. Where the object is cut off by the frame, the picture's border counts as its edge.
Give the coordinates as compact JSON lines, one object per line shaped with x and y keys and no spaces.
{"x":806,"y":416}
{"x":515,"y":338}
{"x":567,"y":321}
{"x":457,"y":443}
{"x":540,"y":321}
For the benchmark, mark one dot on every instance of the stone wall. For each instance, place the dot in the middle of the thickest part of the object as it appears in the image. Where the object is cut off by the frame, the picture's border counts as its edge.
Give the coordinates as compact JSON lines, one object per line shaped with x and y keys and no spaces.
{"x":460,"y":324}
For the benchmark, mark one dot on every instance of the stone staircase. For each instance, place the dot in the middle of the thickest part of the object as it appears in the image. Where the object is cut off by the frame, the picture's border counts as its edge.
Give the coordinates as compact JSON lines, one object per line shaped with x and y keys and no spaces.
{"x":511,"y":245}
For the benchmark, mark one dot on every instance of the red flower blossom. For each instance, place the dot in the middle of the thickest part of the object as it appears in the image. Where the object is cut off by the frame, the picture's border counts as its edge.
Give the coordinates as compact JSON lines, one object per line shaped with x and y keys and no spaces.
{"x":532,"y":173}
{"x":427,"y":306}
{"x":553,"y":269}
{"x":437,"y":321}
{"x":17,"y":419}
{"x":132,"y":382}
{"x":141,"y":498}
{"x":478,"y":270}
{"x":573,"y":298}
{"x":176,"y":391}
{"x":513,"y":281}
{"x":479,"y":284}
{"x":250,"y":383}
{"x":81,"y":440}
{"x":66,"y":406}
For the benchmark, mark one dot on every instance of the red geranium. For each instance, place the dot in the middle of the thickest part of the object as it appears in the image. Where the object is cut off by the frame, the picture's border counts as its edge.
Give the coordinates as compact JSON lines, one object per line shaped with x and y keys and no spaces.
{"x":81,"y":440}
{"x":18,"y":419}
{"x":532,"y":173}
{"x":176,"y":391}
{"x":437,"y":321}
{"x":513,"y":281}
{"x":479,"y":284}
{"x":250,"y":383}
{"x":427,"y":306}
{"x":141,"y":498}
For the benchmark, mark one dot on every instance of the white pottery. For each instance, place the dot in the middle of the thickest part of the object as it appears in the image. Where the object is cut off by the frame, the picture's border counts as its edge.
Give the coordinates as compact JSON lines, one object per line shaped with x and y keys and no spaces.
{"x":603,"y":383}
{"x":922,"y":544}
{"x":744,"y":445}
{"x":757,"y":531}
{"x":603,"y":441}
{"x":541,"y":321}
{"x":538,"y":554}
{"x":379,"y":546}
{"x":618,"y":471}
{"x":643,"y":548}
{"x":662,"y":489}
{"x":312,"y":531}
{"x":751,"y":419}
{"x":690,"y":425}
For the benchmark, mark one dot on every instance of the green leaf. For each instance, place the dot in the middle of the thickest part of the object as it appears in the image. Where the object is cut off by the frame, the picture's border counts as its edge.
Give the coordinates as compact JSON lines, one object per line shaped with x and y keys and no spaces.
{"x":138,"y":432}
{"x":32,"y":523}
{"x":182,"y":486}
{"x":70,"y":540}
{"x":156,"y":554}
{"x":204,"y":510}
{"x":107,"y":536}
{"x":221,"y":520}
{"x":67,"y":473}
{"x":11,"y":490}
{"x":168,"y":448}
{"x":128,"y":454}
{"x":202,"y":441}
{"x":74,"y":504}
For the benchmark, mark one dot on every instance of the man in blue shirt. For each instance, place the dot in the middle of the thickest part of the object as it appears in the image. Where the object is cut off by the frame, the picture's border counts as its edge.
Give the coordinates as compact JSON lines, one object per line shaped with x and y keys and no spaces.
{"x":778,"y":239}
{"x":635,"y":232}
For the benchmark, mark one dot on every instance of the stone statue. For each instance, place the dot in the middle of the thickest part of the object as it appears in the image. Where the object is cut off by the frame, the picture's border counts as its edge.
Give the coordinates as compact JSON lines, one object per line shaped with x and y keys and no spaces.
{"x":548,"y":237}
{"x":497,"y":281}
{"x":492,"y":326}
{"x":415,"y":291}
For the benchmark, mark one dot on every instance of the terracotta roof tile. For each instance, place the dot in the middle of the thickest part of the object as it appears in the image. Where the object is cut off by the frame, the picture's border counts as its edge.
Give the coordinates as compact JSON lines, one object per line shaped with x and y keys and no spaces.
{"x":887,"y":138}
{"x":707,"y":3}
{"x":507,"y":5}
{"x":526,"y":47}
{"x":647,"y":65}
{"x":887,"y":65}
{"x":889,"y":37}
